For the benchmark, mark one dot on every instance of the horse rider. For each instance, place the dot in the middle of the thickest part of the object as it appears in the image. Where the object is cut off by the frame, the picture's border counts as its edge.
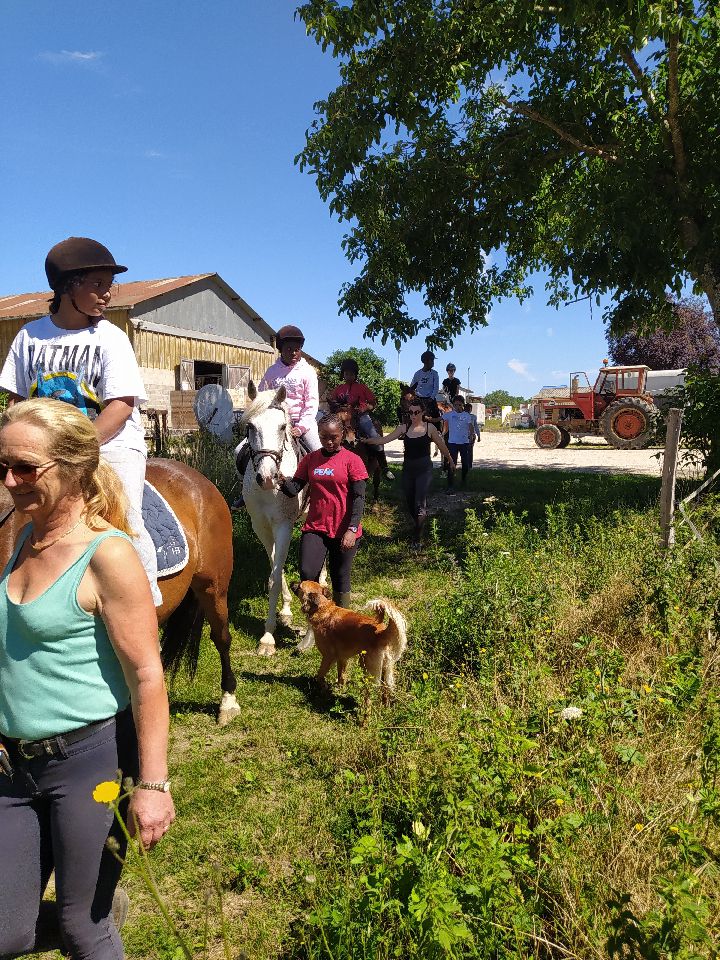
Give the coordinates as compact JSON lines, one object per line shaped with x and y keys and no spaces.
{"x":292,"y":371}
{"x":75,"y":355}
{"x":451,"y":384}
{"x":355,"y":394}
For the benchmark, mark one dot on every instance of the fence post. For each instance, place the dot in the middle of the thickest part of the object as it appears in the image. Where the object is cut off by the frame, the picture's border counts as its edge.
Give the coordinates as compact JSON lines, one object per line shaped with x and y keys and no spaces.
{"x":667,"y":492}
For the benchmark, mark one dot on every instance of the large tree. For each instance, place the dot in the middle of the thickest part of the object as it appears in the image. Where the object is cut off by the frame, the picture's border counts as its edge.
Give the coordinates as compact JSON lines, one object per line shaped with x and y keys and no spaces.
{"x":471,"y":142}
{"x":693,"y":339}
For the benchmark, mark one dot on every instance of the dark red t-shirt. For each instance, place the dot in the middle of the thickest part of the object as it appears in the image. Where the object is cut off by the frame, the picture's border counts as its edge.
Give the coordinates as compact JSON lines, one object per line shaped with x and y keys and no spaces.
{"x":353,"y":393}
{"x":329,"y":479}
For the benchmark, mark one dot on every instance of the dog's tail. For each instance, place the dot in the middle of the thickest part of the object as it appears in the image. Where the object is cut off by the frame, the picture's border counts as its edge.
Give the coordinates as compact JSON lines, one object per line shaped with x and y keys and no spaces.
{"x":396,"y":630}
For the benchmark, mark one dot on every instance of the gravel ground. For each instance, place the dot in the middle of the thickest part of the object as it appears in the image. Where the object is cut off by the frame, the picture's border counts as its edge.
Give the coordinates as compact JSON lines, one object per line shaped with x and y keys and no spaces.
{"x":505,"y":451}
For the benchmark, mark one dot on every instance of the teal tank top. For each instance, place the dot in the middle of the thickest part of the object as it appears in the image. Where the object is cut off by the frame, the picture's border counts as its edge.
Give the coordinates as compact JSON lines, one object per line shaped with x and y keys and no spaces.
{"x":58,"y":669}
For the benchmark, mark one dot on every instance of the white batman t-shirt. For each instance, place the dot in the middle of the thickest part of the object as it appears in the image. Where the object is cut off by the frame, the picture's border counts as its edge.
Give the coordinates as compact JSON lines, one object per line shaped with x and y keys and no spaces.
{"x":85,"y":367}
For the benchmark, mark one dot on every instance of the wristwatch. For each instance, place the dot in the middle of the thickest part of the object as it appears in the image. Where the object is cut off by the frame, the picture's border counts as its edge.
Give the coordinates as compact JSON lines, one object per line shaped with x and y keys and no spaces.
{"x":163,"y":786}
{"x":353,"y":529}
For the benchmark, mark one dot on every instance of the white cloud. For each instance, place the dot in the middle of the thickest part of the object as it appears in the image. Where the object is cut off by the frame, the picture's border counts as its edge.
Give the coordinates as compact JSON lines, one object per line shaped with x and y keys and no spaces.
{"x":71,"y":56}
{"x":550,"y":332}
{"x":154,"y":154}
{"x":559,"y":373}
{"x":521,"y":368}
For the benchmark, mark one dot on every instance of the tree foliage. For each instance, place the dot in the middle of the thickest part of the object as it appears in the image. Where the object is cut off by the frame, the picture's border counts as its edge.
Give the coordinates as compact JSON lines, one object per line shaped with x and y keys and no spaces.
{"x":372,"y":374}
{"x":501,"y":398}
{"x":701,"y":420}
{"x":693,"y":338}
{"x":471,"y":142}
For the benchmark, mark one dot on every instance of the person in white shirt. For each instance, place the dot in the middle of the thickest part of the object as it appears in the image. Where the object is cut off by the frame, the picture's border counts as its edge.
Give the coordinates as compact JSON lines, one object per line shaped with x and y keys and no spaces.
{"x":75,"y":355}
{"x":459,"y":439}
{"x":426,"y":381}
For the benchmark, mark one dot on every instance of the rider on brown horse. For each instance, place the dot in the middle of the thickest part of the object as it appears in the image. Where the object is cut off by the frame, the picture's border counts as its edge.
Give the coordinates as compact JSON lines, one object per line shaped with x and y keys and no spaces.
{"x":360,"y":399}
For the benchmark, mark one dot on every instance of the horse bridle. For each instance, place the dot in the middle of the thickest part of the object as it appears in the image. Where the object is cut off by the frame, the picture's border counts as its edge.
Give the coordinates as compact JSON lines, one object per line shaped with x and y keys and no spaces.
{"x":276,"y":455}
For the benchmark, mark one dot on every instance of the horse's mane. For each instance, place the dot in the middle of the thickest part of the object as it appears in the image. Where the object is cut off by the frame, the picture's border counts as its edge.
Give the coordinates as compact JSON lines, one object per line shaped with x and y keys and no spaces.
{"x":262,"y":402}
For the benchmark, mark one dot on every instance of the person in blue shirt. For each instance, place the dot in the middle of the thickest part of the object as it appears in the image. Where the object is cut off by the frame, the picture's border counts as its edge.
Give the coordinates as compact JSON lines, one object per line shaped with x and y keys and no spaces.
{"x":476,"y":425}
{"x":459,"y":436}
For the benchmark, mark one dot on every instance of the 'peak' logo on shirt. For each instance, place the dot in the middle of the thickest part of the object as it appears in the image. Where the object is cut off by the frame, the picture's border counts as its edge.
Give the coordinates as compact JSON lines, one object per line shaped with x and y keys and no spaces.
{"x":324,"y":472}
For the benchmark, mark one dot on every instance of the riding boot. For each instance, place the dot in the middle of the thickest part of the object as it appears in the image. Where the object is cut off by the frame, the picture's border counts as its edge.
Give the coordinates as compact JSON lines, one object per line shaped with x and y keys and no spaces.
{"x":341,"y":599}
{"x":382,"y":460}
{"x":242,"y":459}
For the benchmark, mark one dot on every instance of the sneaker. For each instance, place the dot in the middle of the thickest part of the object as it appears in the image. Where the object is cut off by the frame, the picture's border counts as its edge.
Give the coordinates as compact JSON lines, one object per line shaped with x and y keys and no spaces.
{"x":120,"y":907}
{"x":238,"y":504}
{"x":389,"y":475}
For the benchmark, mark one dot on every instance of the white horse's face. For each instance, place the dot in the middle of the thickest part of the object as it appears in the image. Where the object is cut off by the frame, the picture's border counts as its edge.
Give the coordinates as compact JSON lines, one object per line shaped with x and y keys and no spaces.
{"x":266,"y":435}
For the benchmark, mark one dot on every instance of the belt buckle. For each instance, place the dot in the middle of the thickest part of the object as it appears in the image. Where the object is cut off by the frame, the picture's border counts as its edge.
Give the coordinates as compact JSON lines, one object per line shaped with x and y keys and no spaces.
{"x":21,"y":744}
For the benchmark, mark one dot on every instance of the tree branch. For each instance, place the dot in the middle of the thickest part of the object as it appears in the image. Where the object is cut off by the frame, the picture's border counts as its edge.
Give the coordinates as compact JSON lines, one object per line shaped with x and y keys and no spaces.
{"x":673,"y":111}
{"x":645,"y":88}
{"x":604,"y":153}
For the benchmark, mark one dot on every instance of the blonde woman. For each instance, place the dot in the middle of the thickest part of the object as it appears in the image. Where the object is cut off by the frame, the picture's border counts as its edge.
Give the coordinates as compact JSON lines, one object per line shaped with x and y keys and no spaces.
{"x":82,"y":693}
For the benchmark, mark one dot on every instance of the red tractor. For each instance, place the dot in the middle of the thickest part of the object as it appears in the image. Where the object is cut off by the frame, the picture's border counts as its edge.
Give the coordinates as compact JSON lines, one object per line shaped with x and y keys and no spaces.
{"x":618,"y":408}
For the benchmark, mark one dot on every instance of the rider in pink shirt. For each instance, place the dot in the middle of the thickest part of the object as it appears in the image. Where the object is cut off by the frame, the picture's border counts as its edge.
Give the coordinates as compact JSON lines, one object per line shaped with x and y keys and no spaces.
{"x":292,"y":371}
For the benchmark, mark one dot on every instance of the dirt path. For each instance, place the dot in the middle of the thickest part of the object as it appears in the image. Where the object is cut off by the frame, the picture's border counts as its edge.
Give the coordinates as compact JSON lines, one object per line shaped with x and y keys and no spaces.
{"x":505,"y":451}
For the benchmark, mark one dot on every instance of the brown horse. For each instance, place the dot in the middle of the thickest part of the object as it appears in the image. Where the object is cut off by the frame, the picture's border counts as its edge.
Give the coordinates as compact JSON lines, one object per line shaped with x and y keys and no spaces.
{"x":200,"y":589}
{"x":353,"y":441}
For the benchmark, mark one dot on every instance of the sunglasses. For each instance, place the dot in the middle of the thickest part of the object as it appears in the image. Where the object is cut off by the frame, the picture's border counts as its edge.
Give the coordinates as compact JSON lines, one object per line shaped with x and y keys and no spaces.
{"x":24,"y":472}
{"x":415,"y":410}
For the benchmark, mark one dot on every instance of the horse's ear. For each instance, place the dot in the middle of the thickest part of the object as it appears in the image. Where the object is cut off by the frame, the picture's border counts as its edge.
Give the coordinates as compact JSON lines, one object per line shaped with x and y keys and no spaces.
{"x":280,"y":395}
{"x":251,"y":390}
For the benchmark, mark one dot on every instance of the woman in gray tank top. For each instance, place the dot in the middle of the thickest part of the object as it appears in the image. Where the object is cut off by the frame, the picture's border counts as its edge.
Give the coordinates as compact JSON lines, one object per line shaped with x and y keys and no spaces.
{"x":82,"y":693}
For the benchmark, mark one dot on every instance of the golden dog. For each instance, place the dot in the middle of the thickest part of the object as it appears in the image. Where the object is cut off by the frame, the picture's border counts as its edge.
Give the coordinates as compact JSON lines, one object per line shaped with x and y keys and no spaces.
{"x":341,"y":634}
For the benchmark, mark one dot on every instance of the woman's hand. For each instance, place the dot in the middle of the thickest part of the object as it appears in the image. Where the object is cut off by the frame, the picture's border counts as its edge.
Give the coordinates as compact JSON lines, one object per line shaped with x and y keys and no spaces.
{"x":296,"y":432}
{"x":450,"y":465}
{"x":348,"y":540}
{"x":149,"y":815}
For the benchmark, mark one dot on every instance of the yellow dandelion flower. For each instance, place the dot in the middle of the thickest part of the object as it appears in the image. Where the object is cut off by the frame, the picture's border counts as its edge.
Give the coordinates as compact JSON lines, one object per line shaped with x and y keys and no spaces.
{"x":559,"y":801}
{"x":106,"y":792}
{"x":639,"y":827}
{"x":425,"y":676}
{"x":647,"y":688}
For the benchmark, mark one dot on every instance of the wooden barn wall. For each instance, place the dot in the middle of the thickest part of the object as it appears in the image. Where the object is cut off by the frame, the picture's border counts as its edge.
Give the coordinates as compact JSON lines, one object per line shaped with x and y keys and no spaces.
{"x":8,"y":330}
{"x":161,"y":351}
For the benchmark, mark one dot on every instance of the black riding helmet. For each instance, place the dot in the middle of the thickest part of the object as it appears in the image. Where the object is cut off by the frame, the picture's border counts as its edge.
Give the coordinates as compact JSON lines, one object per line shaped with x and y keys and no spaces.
{"x":76,"y":255}
{"x":289,"y":332}
{"x":349,"y":364}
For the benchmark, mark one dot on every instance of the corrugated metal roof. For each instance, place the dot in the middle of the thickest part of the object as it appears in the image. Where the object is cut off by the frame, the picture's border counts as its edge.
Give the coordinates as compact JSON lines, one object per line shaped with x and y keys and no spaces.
{"x":124,"y":295}
{"x":550,"y":392}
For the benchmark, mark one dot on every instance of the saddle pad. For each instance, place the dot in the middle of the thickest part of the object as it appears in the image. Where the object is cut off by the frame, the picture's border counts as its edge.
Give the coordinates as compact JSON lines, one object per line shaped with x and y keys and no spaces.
{"x":166,"y":532}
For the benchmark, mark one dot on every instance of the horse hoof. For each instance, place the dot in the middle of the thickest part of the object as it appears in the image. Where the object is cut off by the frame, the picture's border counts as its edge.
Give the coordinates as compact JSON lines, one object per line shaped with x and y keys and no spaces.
{"x":229,"y":709}
{"x":266,"y":649}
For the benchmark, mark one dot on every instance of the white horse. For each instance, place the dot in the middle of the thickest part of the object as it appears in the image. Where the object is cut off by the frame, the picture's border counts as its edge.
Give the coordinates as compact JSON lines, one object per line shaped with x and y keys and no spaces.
{"x":273,"y":515}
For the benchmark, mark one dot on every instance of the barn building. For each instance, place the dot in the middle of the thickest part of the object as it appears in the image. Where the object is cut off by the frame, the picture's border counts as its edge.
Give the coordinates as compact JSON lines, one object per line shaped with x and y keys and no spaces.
{"x":186,"y":332}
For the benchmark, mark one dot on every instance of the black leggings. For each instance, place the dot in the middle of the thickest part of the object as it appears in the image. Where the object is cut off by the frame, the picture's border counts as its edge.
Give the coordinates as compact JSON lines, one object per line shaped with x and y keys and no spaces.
{"x":315,"y":548}
{"x":416,"y":480}
{"x":465,"y":451}
{"x":50,"y":820}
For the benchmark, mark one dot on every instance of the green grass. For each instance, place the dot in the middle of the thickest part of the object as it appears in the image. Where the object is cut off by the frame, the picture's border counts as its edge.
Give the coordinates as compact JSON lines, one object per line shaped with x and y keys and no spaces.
{"x":469,"y":819}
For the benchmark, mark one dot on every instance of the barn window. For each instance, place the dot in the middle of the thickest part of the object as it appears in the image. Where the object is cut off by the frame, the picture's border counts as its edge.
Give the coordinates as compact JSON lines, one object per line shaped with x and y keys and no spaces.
{"x":196,"y":374}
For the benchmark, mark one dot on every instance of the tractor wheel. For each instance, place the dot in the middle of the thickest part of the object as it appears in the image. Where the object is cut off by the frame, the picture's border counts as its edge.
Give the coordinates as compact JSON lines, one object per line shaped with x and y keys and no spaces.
{"x":566,"y":438}
{"x":628,"y":423}
{"x":548,"y":436}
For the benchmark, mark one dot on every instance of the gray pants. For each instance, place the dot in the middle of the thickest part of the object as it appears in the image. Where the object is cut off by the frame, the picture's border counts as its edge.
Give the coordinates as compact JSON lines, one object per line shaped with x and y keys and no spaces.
{"x":51,"y":821}
{"x":129,"y":465}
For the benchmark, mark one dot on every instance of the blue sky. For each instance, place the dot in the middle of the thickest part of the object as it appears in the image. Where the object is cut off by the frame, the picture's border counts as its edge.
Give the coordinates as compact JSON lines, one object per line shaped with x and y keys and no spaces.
{"x":168,"y":131}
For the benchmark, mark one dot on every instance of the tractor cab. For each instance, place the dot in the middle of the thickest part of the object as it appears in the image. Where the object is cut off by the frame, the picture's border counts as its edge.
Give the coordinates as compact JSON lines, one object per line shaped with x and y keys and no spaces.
{"x":615,"y":382}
